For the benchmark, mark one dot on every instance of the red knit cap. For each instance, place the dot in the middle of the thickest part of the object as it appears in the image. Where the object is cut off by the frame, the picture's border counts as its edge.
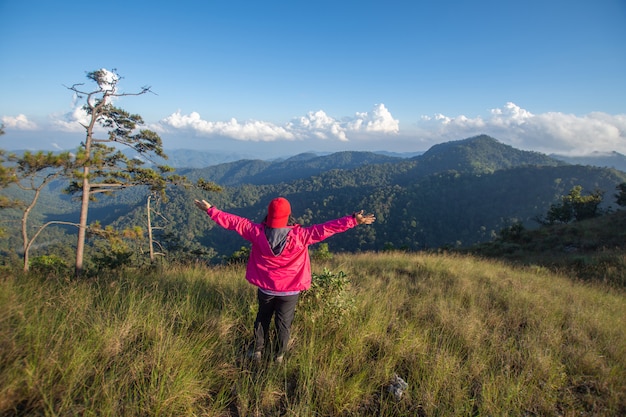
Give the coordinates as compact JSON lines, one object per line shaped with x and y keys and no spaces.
{"x":278,"y":213}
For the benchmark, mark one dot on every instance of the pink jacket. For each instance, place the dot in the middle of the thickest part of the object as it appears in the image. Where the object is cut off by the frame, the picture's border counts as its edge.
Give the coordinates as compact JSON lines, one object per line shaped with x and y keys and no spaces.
{"x":291,"y":270}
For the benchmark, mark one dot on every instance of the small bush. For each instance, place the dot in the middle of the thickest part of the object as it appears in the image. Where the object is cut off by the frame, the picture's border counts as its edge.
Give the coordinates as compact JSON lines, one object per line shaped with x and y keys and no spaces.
{"x":328,"y":298}
{"x":321,"y":253}
{"x":48,"y":264}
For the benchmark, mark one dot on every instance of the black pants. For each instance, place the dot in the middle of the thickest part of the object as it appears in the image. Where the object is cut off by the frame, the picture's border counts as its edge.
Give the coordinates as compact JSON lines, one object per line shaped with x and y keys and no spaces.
{"x":283,"y":309}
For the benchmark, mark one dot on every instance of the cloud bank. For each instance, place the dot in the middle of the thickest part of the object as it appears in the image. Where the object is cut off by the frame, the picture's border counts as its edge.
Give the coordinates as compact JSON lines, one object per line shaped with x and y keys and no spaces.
{"x":19,"y":122}
{"x":315,"y":124}
{"x":551,"y":132}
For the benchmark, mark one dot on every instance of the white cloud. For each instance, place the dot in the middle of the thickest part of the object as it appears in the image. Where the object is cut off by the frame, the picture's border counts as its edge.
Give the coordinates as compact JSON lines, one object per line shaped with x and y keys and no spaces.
{"x":72,"y":121}
{"x":318,"y":125}
{"x":250,"y":130}
{"x":19,"y":122}
{"x":313,"y":125}
{"x":379,"y":121}
{"x":551,"y":132}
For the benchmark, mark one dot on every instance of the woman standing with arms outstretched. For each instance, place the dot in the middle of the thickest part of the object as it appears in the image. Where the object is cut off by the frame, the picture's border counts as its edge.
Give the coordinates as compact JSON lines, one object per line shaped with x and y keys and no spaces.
{"x":279,"y":263}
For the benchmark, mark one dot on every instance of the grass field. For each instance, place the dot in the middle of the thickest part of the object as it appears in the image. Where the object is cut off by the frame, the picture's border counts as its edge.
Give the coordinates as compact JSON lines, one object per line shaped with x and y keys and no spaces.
{"x":470,"y":337}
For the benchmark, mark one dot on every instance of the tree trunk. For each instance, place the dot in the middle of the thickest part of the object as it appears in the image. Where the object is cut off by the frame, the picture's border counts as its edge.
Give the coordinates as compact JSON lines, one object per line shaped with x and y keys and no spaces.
{"x":25,"y":238}
{"x":25,"y":226}
{"x":82,"y":226}
{"x":150,"y":230}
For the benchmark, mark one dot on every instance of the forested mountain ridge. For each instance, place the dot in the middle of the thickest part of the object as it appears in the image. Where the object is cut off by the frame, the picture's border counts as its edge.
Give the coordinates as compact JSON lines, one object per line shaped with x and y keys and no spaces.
{"x":259,"y":172}
{"x":455,"y":194}
{"x":474,"y":155}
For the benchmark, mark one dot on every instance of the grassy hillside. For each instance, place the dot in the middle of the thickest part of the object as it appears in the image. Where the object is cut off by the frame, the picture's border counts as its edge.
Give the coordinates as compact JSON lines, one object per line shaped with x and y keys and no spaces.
{"x":469,"y":336}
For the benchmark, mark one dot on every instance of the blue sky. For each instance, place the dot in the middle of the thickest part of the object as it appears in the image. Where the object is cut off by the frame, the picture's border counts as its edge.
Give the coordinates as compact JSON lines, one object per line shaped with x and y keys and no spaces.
{"x":282,"y":77}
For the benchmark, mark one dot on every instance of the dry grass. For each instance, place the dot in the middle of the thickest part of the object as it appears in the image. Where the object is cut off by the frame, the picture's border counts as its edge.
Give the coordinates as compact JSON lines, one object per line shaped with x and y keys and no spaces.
{"x":469,"y":336}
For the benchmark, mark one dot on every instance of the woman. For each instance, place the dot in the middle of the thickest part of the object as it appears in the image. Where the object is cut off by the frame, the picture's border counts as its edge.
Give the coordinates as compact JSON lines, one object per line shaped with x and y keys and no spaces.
{"x":279,"y":263}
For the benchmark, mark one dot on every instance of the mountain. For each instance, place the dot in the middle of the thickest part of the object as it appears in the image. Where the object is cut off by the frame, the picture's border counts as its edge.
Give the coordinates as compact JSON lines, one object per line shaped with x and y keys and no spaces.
{"x":480,"y":154}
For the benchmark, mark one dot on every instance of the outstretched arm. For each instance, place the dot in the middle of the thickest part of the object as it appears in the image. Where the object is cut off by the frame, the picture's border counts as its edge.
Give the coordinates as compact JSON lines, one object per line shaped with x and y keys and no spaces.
{"x":364,"y":218}
{"x":228,"y":221}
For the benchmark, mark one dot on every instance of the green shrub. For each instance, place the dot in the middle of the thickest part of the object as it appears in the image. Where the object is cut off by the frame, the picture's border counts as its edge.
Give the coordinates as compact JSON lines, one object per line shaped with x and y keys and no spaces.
{"x":239,"y":257}
{"x":48,"y":264}
{"x":321,"y":253}
{"x":328,"y":298}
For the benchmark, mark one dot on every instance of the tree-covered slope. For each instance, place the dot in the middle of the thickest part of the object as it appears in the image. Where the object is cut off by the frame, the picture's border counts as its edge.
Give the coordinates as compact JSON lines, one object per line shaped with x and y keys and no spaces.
{"x":446,"y":209}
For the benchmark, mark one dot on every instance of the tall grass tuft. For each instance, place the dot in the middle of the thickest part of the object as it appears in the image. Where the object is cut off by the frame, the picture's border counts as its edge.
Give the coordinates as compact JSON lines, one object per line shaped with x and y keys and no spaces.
{"x":469,"y":336}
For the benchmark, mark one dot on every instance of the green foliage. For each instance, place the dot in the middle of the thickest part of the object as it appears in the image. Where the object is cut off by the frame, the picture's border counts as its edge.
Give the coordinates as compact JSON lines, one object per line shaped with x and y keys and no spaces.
{"x":513,"y":233}
{"x":621,"y":195}
{"x":101,"y":167}
{"x":575,"y":206}
{"x":114,"y":248}
{"x":208,"y":185}
{"x":585,"y":207}
{"x":49,"y":265}
{"x":321,"y":252}
{"x":31,"y":173}
{"x":329,"y":300}
{"x":239,"y":256}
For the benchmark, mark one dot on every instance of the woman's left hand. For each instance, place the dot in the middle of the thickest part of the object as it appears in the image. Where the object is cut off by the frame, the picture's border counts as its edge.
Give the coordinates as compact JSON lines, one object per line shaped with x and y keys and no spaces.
{"x":364,"y":218}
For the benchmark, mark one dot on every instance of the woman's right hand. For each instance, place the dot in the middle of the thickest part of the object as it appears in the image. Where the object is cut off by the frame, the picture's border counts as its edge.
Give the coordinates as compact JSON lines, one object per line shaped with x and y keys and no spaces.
{"x":203,"y":205}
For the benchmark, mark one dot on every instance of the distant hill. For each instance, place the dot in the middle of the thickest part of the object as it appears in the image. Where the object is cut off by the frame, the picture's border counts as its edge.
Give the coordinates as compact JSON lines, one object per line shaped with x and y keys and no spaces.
{"x":609,"y":160}
{"x":192,"y":158}
{"x":259,"y":172}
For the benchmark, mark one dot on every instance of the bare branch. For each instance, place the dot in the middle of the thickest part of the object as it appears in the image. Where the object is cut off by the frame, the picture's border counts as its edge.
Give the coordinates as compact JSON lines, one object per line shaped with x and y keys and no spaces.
{"x":32,"y":239}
